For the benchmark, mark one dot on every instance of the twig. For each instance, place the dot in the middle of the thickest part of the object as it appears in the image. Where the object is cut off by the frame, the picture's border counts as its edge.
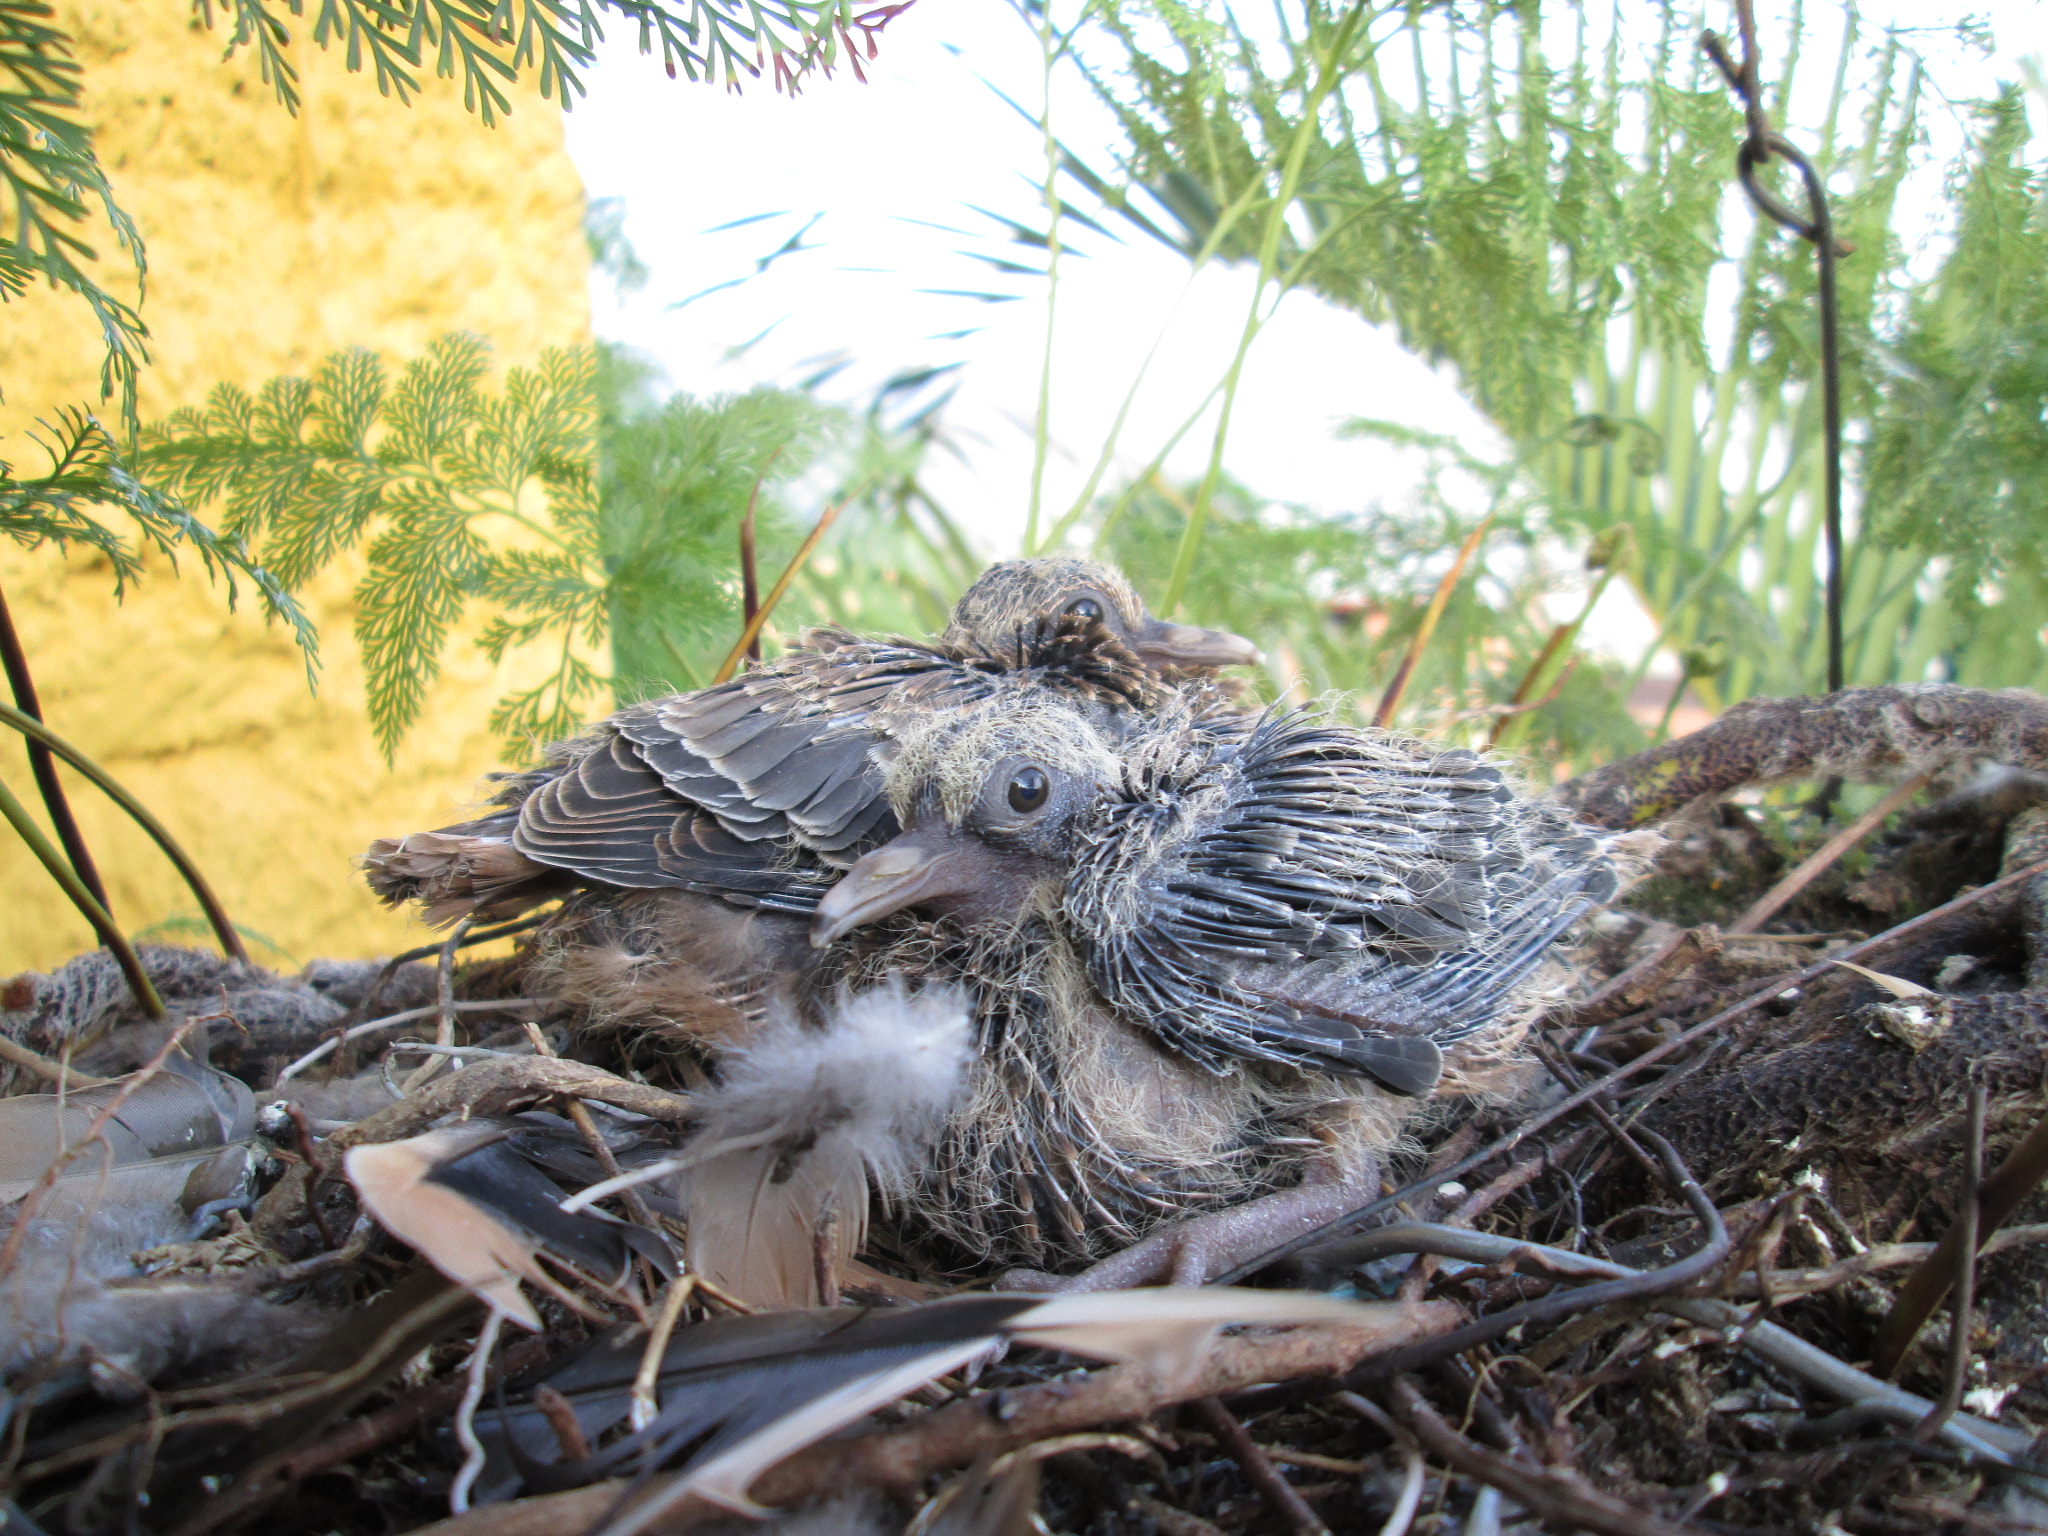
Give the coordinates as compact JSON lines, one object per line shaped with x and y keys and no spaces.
{"x":1554,"y":1497}
{"x":476,"y":936}
{"x":1997,"y":1198}
{"x":272,"y":1479}
{"x":1651,"y":1057}
{"x":25,"y":1209}
{"x":465,"y":1413}
{"x":956,"y":1435}
{"x":444,"y":1004}
{"x":319,"y":1264}
{"x":1641,"y":982}
{"x":1258,"y":1471}
{"x":92,"y":911}
{"x":1477,"y":1204}
{"x":752,"y":630}
{"x":579,"y":1116}
{"x":824,"y":1244}
{"x":1500,"y":714}
{"x":1283,"y":1456}
{"x":1412,"y":1467}
{"x":62,"y":1073}
{"x":1769,"y":1342}
{"x":499,"y":1086}
{"x":750,"y":577}
{"x":41,"y":765}
{"x":1171,"y":1521}
{"x":334,"y":1390}
{"x":1791,"y":1284}
{"x":316,"y":1172}
{"x":1564,"y":1303}
{"x":1822,"y":857}
{"x":1957,"y":1372}
{"x":1480,"y":1201}
{"x":327,"y":1047}
{"x":561,"y":1416}
{"x":647,"y":1378}
{"x":1518,"y":705}
{"x":1391,"y":699}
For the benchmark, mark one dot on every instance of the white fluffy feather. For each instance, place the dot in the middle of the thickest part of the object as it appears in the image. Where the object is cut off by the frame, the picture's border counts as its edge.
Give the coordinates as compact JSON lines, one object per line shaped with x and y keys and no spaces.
{"x":804,"y":1121}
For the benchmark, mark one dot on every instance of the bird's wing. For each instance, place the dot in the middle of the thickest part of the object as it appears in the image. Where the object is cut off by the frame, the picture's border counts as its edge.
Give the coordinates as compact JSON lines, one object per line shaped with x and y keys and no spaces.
{"x":758,"y":790}
{"x":1324,"y":897}
{"x":610,"y":816}
{"x":786,"y":753}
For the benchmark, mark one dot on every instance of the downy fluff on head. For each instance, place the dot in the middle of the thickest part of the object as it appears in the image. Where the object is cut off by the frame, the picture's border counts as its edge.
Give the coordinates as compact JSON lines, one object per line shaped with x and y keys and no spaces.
{"x":804,"y":1120}
{"x":950,"y":757}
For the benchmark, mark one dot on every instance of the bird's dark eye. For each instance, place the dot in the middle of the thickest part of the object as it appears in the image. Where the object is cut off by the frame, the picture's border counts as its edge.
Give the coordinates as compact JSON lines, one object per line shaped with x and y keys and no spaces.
{"x":1028,"y":790}
{"x":1085,"y":608}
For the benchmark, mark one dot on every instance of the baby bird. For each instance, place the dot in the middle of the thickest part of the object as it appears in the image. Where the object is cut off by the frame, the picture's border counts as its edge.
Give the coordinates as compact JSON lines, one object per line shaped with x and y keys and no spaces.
{"x":756,"y":791}
{"x":1209,"y":955}
{"x":696,"y":831}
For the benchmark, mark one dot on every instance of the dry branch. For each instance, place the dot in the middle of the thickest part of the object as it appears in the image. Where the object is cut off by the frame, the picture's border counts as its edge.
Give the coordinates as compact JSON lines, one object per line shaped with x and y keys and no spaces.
{"x":498,"y":1087}
{"x":1546,"y":1492}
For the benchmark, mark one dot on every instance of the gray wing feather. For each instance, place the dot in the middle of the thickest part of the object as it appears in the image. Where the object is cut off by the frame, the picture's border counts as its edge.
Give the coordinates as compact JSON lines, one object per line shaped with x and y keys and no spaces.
{"x":1330,"y":899}
{"x":754,"y":790}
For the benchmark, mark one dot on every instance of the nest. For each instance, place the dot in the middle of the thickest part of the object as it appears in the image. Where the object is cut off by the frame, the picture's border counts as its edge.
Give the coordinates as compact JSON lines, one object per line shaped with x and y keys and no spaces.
{"x":1729,"y":1159}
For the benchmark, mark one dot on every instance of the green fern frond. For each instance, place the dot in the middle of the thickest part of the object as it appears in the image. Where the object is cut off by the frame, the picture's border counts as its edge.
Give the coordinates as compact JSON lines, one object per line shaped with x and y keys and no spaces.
{"x":491,"y":45}
{"x":89,"y":477}
{"x":50,"y":182}
{"x":463,"y":495}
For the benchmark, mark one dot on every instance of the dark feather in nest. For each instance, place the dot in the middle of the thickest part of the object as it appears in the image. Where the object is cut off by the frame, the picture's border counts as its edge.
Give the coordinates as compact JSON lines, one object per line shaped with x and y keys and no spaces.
{"x":740,"y":1393}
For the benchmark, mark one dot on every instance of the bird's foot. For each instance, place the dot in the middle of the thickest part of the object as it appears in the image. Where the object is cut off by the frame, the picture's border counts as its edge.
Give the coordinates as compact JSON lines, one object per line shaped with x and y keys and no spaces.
{"x":1195,"y":1251}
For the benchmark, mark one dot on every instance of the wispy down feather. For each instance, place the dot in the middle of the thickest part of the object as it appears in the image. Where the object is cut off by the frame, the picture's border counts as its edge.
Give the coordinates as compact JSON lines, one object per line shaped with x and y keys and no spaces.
{"x":803,"y":1121}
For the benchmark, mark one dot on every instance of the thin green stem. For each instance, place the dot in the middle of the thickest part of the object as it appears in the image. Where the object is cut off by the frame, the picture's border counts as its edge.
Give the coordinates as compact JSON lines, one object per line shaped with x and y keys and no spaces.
{"x":1328,"y":75}
{"x":1072,"y":515}
{"x":36,"y":731}
{"x":1144,"y":477}
{"x":690,"y":674}
{"x":12,"y":811}
{"x":1510,"y":729}
{"x":1041,"y":432}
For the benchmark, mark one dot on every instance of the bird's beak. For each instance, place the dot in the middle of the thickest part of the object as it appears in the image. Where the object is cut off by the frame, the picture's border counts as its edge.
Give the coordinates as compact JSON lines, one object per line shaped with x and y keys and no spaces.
{"x":1170,"y":647}
{"x":921,"y":865}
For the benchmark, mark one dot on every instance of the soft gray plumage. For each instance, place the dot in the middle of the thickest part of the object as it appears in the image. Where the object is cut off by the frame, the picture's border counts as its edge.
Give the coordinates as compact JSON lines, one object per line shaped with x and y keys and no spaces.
{"x":803,"y":1122}
{"x":1202,"y":950}
{"x":759,"y":790}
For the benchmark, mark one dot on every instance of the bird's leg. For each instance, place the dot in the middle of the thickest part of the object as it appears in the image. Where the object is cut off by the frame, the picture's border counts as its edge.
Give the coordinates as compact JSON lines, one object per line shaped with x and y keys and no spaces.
{"x":1194,"y":1251}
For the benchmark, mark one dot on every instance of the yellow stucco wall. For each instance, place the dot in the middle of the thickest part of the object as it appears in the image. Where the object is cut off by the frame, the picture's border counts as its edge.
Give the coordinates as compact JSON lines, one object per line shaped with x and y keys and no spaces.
{"x":272,"y":241}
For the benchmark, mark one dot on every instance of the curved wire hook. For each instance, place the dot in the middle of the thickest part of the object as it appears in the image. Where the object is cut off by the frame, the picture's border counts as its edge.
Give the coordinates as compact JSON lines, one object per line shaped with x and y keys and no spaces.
{"x":1817,"y":228}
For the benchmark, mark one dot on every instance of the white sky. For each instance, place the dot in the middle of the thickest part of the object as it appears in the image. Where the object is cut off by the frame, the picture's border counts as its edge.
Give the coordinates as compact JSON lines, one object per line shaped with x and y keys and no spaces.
{"x":891,"y":172}
{"x":914,"y":148}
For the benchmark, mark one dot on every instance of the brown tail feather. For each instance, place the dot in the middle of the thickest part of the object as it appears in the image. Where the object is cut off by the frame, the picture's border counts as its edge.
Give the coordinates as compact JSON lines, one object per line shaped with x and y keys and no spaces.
{"x":456,"y":873}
